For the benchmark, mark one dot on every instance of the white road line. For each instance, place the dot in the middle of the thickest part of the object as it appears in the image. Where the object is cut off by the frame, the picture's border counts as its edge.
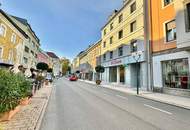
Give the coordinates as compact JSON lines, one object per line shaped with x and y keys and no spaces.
{"x":121,"y":97}
{"x":169,"y":113}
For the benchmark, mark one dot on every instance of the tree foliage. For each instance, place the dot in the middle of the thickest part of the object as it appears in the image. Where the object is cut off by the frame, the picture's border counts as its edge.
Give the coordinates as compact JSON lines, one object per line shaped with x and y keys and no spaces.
{"x":100,"y":69}
{"x":42,"y":66}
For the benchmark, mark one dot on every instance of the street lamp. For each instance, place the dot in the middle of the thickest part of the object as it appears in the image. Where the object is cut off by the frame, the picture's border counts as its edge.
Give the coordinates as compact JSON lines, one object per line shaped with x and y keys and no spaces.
{"x":137,"y":56}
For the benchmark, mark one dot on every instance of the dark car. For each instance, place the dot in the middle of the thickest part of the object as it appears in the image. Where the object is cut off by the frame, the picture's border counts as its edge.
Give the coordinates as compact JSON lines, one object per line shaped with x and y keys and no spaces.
{"x":73,"y":78}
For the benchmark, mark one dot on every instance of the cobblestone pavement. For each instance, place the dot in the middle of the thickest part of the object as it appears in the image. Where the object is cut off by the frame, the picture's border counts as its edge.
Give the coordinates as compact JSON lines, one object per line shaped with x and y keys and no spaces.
{"x":29,"y":115}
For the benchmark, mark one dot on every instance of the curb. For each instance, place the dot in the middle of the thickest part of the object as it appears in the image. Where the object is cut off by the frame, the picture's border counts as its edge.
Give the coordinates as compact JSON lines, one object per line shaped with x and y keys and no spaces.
{"x":145,"y":97}
{"x":165,"y":102}
{"x":40,"y":119}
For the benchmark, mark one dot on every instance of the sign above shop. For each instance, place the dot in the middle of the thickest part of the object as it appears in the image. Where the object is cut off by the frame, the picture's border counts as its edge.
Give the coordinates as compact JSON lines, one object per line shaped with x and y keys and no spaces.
{"x":116,"y":62}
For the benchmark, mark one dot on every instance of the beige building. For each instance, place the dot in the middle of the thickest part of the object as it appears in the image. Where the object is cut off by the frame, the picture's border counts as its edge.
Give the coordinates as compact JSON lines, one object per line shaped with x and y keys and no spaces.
{"x":123,"y":47}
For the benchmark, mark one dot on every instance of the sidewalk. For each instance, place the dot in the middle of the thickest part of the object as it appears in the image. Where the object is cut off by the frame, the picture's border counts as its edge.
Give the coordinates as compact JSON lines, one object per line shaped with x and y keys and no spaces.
{"x":30,"y":116}
{"x":164,"y":98}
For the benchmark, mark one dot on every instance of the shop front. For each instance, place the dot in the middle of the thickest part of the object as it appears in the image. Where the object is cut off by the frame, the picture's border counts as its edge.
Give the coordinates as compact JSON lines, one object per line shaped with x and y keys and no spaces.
{"x":114,"y":71}
{"x":174,"y":73}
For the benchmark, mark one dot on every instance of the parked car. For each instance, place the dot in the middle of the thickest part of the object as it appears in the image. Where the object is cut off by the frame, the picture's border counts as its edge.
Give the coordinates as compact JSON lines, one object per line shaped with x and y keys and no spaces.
{"x":73,"y":78}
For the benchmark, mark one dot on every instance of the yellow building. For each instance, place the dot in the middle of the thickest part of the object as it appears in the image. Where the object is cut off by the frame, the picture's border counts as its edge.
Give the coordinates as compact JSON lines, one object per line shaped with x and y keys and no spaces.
{"x":123,"y":47}
{"x":11,"y":41}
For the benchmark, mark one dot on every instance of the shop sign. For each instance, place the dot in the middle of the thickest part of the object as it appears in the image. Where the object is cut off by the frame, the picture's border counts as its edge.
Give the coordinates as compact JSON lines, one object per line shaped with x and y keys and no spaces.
{"x":116,"y":62}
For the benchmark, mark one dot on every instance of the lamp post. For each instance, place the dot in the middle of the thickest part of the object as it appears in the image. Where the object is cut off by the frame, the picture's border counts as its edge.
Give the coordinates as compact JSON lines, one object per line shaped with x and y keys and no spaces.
{"x":137,"y":56}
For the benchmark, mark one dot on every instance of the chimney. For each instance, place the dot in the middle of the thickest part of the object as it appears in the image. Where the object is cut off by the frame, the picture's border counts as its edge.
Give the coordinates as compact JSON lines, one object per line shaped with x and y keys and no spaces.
{"x":125,"y":1}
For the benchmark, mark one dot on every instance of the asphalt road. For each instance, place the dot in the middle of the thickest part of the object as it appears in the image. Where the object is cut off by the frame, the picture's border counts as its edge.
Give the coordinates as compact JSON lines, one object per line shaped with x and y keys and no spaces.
{"x":82,"y":106}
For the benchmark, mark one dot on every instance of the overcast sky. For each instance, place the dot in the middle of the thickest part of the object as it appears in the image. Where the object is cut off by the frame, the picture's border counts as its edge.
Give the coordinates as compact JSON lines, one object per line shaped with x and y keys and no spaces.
{"x":64,"y":26}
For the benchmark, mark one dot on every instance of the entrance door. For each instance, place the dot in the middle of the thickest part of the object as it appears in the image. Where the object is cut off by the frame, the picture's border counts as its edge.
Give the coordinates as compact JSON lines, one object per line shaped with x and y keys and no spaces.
{"x":122,"y":74}
{"x":113,"y":74}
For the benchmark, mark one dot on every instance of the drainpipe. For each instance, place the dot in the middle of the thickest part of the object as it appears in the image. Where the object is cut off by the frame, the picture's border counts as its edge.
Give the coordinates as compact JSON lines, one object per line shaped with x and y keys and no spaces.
{"x":148,"y":44}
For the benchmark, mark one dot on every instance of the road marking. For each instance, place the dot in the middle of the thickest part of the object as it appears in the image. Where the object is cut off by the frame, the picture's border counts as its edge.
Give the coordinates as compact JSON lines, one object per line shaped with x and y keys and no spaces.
{"x":169,"y":113}
{"x":121,"y":97}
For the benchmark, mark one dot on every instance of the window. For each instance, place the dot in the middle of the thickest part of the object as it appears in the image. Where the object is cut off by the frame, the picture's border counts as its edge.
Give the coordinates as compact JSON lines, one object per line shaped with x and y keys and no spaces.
{"x":36,"y":56}
{"x":26,"y":49}
{"x":104,"y":44}
{"x":111,"y":54}
{"x":111,"y":40}
{"x":167,"y":2}
{"x":105,"y":31}
{"x":120,"y":18}
{"x":10,"y":58}
{"x":133,"y":7}
{"x":2,"y":30}
{"x":111,"y":26}
{"x":133,"y":26}
{"x":134,"y":46}
{"x":32,"y":53}
{"x":33,"y":44}
{"x":104,"y":57}
{"x":1,"y":52}
{"x":188,"y":17}
{"x":120,"y":51}
{"x":176,"y":74}
{"x":13,"y":38}
{"x":120,"y":34}
{"x":25,"y":60}
{"x":170,"y":31}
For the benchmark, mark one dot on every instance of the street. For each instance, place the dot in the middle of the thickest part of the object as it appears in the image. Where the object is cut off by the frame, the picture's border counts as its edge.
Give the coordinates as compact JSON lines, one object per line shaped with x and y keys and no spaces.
{"x":82,"y":106}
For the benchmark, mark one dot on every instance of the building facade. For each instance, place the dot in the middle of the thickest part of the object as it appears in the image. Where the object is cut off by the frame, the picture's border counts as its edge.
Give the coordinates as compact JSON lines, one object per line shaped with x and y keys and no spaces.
{"x":31,"y":45}
{"x":123,"y":47}
{"x":170,"y":45}
{"x":55,"y":63}
{"x":11,"y":41}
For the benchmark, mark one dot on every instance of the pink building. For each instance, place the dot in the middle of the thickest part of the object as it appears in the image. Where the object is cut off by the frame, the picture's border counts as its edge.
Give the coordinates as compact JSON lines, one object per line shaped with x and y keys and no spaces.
{"x":43,"y":57}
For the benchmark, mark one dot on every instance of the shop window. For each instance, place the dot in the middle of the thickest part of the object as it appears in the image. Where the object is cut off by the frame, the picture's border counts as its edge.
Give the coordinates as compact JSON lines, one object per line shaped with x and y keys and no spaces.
{"x":170,"y":31}
{"x":176,"y":73}
{"x":120,"y":51}
{"x":104,"y":57}
{"x":111,"y":54}
{"x":134,"y":46}
{"x":120,"y":18}
{"x":133,"y":26}
{"x":188,"y":17}
{"x":111,"y":40}
{"x":120,"y":34}
{"x":3,"y":30}
{"x":133,"y":7}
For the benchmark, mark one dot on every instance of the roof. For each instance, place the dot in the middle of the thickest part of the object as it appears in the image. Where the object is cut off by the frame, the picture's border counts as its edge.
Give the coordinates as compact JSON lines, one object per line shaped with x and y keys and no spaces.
{"x":52,"y":55}
{"x":13,"y":23}
{"x":116,"y":13}
{"x":25,"y":22}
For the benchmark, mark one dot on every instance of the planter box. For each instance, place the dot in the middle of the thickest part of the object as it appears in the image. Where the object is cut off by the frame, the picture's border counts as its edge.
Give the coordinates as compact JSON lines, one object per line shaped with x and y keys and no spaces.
{"x":8,"y":115}
{"x":25,"y":101}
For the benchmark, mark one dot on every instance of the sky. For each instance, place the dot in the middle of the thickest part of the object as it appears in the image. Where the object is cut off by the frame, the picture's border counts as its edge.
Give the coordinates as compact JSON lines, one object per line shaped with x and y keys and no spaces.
{"x":65,"y":27}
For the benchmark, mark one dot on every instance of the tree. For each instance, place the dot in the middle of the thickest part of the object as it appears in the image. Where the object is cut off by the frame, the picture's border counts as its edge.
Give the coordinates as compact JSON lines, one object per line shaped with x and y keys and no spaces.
{"x":65,"y":66}
{"x":99,"y":69}
{"x":42,"y":66}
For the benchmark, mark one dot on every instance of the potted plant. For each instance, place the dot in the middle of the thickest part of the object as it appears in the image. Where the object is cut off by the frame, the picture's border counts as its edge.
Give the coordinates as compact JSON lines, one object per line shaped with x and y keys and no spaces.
{"x":99,"y":70}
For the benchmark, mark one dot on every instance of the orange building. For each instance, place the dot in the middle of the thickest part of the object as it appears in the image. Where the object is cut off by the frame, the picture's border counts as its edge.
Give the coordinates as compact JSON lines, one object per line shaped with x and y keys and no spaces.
{"x":169,"y":62}
{"x":162,"y":18}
